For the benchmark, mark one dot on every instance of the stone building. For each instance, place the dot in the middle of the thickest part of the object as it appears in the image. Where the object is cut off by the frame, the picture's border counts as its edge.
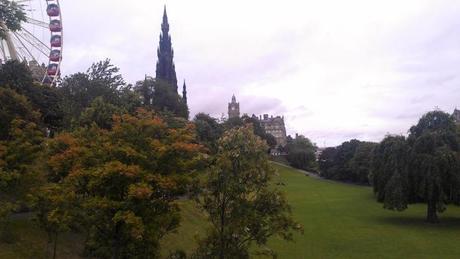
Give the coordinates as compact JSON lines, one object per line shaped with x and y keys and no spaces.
{"x":456,"y":115}
{"x":233,"y":108}
{"x":274,"y":126}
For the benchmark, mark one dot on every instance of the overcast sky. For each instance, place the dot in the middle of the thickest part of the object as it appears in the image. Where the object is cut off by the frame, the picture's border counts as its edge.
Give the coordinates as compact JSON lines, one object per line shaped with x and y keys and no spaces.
{"x":336,"y":70}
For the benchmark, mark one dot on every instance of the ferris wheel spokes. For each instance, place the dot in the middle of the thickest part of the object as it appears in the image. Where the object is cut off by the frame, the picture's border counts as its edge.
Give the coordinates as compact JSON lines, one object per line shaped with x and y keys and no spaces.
{"x":36,"y":41}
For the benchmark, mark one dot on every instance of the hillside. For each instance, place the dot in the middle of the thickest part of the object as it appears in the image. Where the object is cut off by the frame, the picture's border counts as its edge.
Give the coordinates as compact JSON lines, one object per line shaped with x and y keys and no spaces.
{"x":340,"y":221}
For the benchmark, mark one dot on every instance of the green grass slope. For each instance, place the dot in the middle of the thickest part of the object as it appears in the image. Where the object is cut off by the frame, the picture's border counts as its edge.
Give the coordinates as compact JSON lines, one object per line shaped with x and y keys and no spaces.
{"x":344,"y":221}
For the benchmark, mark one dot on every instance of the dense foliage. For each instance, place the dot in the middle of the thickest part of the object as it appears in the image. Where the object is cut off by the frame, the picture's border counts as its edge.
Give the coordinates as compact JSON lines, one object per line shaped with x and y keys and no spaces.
{"x":235,"y":122}
{"x":124,"y":182}
{"x":350,"y":161}
{"x":101,"y":81}
{"x":301,"y":153}
{"x":425,"y":167}
{"x":12,"y":15}
{"x":44,"y":99}
{"x":209,"y":130}
{"x":98,"y":157}
{"x":21,"y":139}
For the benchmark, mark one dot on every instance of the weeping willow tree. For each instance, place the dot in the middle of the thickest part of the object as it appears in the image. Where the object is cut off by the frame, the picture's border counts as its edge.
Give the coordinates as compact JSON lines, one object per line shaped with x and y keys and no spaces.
{"x":425,"y":167}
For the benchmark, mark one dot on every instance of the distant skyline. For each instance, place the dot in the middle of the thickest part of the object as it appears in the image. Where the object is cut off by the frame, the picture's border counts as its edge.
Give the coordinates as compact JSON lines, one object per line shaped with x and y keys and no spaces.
{"x":336,"y":70}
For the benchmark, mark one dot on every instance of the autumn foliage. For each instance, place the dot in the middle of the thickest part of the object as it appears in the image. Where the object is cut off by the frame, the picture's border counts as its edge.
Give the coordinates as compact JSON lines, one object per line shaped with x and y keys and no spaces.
{"x":125,"y":181}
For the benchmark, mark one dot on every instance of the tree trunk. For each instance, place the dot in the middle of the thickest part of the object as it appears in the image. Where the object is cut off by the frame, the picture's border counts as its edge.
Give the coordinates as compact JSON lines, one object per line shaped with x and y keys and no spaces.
{"x":55,"y":245}
{"x":432,"y":216}
{"x":222,"y":224}
{"x":116,"y":242}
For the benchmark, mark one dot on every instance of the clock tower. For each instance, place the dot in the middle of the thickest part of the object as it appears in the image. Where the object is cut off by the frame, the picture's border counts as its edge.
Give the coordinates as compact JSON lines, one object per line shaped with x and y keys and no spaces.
{"x":233,"y":109}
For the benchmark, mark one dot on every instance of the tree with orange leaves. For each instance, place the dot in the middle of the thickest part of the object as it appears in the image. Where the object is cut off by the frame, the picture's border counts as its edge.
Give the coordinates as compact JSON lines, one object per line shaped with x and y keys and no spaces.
{"x":125,"y":180}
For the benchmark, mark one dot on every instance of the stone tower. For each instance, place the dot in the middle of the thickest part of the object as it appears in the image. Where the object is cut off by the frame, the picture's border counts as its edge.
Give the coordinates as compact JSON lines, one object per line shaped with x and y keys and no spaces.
{"x":233,"y":109}
{"x":456,"y":115}
{"x":166,"y":69}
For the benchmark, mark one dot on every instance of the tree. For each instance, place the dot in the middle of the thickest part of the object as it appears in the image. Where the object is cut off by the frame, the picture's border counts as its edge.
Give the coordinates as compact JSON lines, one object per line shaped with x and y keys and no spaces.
{"x":102,"y":80}
{"x":326,"y":162}
{"x":390,"y":172}
{"x":18,"y":169}
{"x":259,"y":130}
{"x":348,"y":162}
{"x":234,"y":122}
{"x":242,"y":206}
{"x":301,"y":153}
{"x":208,"y":131}
{"x":145,"y":90}
{"x":12,"y":15}
{"x":435,"y":161}
{"x":54,"y":210}
{"x":360,"y":163}
{"x":425,"y":168}
{"x":20,"y":146}
{"x":125,"y":180}
{"x":46,"y":99}
{"x":15,"y":75}
{"x":99,"y":112}
{"x":14,"y":106}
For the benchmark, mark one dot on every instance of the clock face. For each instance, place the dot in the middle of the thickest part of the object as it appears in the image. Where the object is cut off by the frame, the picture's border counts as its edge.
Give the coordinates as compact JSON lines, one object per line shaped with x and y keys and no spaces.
{"x":233,"y":108}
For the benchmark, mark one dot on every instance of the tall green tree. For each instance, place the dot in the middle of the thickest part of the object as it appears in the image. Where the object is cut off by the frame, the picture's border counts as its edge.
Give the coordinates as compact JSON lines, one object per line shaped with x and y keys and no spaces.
{"x":208,"y":131}
{"x":99,"y":112}
{"x":360,"y":163}
{"x":19,"y":175}
{"x":326,"y":162}
{"x":301,"y":153}
{"x":145,"y":89}
{"x":45,"y":99}
{"x":55,"y":211}
{"x":390,"y":172}
{"x":426,"y":168}
{"x":243,"y":207}
{"x":435,"y":161}
{"x":101,"y":80}
{"x":351,"y":161}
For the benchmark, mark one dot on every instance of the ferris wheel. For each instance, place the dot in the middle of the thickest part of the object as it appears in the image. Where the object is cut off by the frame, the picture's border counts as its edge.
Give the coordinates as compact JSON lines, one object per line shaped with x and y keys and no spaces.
{"x":31,"y":31}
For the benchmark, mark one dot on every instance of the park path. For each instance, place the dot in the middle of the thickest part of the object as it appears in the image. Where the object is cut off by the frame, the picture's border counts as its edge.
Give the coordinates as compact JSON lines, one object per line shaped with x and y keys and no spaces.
{"x":301,"y":171}
{"x":316,"y":176}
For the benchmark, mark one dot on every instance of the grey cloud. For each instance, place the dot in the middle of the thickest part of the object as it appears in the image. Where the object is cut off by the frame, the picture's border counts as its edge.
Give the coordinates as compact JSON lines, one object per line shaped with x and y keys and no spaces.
{"x":409,"y":67}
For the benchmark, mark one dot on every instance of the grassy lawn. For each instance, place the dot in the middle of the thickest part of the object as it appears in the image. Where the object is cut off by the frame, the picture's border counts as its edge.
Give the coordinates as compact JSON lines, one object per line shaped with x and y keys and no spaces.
{"x":345,"y":221}
{"x":340,"y":221}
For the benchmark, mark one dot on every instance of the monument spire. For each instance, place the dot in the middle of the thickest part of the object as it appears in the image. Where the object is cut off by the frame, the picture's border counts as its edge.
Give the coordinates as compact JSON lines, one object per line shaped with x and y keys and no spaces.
{"x":184,"y":93}
{"x":166,"y":69}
